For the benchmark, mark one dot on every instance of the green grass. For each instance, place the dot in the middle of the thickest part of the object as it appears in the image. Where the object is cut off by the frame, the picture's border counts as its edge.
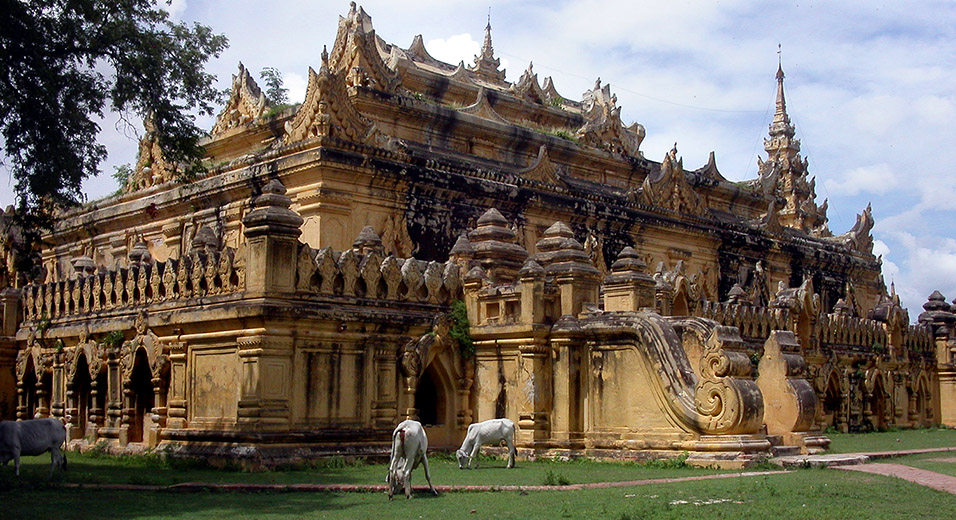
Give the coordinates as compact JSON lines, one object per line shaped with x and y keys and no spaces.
{"x":892,"y":440}
{"x":805,"y":494}
{"x":92,"y":468}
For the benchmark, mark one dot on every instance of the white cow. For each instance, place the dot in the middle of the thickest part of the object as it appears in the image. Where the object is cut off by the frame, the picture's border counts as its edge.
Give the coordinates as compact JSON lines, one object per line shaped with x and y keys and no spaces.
{"x":409,"y":445}
{"x":33,"y":437}
{"x":492,"y":431}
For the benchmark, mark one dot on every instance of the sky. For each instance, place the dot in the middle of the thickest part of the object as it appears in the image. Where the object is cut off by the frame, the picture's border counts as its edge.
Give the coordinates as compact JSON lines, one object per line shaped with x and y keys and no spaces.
{"x":869,"y":86}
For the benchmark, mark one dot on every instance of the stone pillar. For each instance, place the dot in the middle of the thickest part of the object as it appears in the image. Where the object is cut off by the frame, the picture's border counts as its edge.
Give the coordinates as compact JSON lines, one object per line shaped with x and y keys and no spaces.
{"x":567,"y":419}
{"x":266,"y":388}
{"x":96,"y":413}
{"x":10,"y":299}
{"x":272,"y":242}
{"x":385,"y":404}
{"x":939,"y":316}
{"x":628,"y":287}
{"x":157,"y":414}
{"x":495,"y":247}
{"x":564,"y":258}
{"x":58,"y":393}
{"x":114,"y":400}
{"x":177,"y":403}
{"x":534,"y":387}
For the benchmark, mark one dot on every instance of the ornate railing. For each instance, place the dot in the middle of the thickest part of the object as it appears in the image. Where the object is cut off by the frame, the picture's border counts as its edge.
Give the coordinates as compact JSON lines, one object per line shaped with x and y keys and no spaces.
{"x":374,"y":276}
{"x":196,"y":275}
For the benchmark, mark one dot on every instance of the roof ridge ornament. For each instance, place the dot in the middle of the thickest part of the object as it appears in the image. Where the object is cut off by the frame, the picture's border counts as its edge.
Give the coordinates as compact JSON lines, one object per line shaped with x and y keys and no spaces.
{"x":482,"y":108}
{"x":486,"y":65}
{"x":356,"y":53}
{"x":246,"y":103}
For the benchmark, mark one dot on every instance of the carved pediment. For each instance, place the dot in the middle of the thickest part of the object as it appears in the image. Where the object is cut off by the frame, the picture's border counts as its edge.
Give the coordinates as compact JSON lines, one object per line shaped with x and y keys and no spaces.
{"x":859,"y":238}
{"x":482,"y":108}
{"x":356,"y":54}
{"x":527,"y":88}
{"x":151,"y":166}
{"x":246,"y":103}
{"x":543,"y":170}
{"x":604,"y":128}
{"x":669,"y":187}
{"x":709,"y":170}
{"x":328,"y":112}
{"x":417,"y":52}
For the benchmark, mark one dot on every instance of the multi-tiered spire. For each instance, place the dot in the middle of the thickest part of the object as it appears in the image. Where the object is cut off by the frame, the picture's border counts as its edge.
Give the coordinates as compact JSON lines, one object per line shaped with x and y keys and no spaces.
{"x":486,"y":65}
{"x":784,"y":174}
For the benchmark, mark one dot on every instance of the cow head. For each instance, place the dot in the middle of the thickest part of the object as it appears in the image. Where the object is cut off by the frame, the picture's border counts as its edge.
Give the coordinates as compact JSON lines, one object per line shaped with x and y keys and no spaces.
{"x":396,"y":482}
{"x":462,"y":459}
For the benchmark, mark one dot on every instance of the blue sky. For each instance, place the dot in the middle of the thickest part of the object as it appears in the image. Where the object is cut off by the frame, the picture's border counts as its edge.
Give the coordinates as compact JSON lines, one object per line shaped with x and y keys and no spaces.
{"x":870,"y":88}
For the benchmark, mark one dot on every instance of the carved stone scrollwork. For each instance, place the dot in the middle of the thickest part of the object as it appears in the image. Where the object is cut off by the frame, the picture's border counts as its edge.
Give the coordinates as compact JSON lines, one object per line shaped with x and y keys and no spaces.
{"x":726,"y":398}
{"x":791,"y":403}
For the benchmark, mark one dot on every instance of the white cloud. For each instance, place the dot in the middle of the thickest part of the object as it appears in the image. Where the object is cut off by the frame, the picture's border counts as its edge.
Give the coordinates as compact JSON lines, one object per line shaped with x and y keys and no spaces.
{"x":454,"y":49}
{"x":297,"y":85}
{"x":867,"y":87}
{"x":877,"y":179}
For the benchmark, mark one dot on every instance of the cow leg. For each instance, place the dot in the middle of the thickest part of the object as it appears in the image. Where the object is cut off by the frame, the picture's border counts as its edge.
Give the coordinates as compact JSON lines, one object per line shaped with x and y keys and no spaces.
{"x":428,"y":475}
{"x":16,"y":462}
{"x":511,"y":453}
{"x":56,"y":459}
{"x":407,"y":474}
{"x":474,"y":455}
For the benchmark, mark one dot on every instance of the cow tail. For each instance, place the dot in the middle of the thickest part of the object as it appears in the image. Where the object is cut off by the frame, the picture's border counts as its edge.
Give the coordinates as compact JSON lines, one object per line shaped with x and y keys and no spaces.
{"x":401,"y":436}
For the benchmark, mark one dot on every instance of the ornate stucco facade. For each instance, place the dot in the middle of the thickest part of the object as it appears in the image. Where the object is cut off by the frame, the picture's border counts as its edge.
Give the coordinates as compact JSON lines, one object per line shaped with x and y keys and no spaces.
{"x":298,"y":296}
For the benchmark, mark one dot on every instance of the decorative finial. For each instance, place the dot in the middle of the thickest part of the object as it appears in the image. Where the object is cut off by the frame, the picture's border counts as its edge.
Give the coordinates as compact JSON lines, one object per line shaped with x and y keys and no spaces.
{"x":489,"y":16}
{"x":780,"y":74}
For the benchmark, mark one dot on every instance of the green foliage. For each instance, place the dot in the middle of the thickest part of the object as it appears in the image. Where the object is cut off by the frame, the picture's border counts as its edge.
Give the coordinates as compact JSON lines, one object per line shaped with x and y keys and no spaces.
{"x":114,"y":339}
{"x":122,"y":174}
{"x":556,"y":101}
{"x":277,"y":109}
{"x":275,"y":92}
{"x":460,"y":330}
{"x":64,"y":63}
{"x":679,"y":461}
{"x":555,"y":479}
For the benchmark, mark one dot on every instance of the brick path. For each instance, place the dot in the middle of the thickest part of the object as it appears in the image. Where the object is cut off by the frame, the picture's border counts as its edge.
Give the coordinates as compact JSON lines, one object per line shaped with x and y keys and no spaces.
{"x":920,"y":476}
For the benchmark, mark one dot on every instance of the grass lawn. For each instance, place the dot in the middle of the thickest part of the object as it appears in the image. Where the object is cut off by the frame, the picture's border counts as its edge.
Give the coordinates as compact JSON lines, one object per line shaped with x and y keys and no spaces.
{"x":892,"y":440}
{"x":100,"y":469}
{"x":805,"y":494}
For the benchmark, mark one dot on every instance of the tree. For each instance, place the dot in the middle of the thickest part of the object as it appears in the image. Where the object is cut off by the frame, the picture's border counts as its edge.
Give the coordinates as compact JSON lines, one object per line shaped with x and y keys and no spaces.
{"x":274,"y":91}
{"x":62,"y":61}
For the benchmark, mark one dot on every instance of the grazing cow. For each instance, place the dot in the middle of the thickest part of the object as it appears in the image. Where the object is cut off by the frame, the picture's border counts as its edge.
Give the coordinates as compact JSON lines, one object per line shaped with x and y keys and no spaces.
{"x":33,"y":437}
{"x":409,"y":445}
{"x":492,"y":431}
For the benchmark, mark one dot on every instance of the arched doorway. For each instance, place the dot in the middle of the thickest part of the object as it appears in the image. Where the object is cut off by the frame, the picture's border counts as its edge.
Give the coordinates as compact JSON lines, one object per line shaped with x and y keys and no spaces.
{"x":832,"y":402}
{"x":429,"y":400}
{"x":29,"y":400}
{"x":878,"y":405}
{"x":82,"y":386}
{"x":140,"y":398}
{"x":434,"y":400}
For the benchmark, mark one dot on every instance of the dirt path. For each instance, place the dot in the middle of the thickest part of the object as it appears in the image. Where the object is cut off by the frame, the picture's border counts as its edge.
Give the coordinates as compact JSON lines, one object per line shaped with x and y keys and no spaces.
{"x":920,"y":476}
